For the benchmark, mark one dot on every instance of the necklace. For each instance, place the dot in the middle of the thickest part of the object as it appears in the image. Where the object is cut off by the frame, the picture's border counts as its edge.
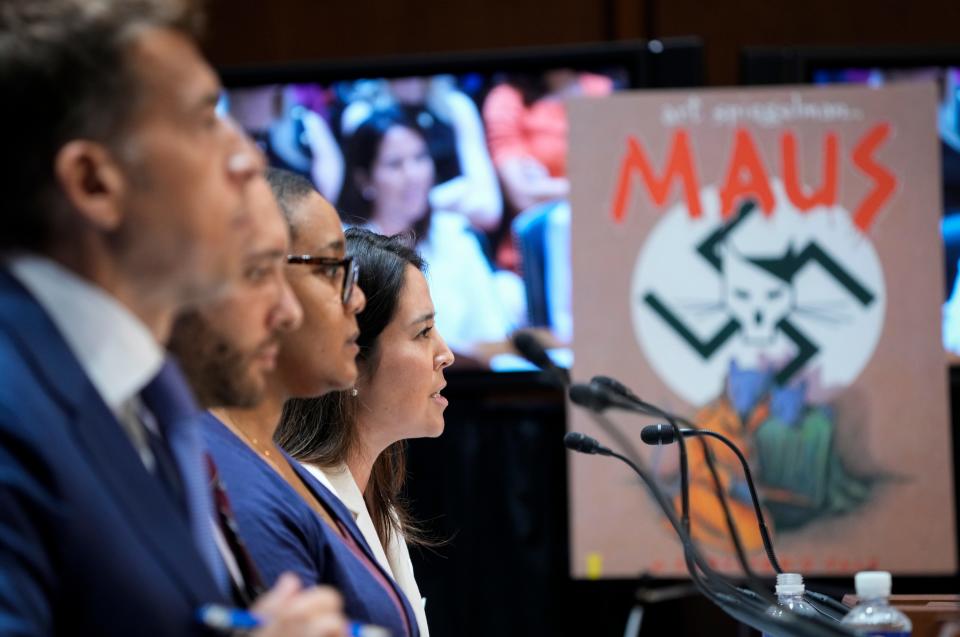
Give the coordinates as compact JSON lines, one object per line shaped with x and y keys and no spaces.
{"x":285,"y":472}
{"x":255,"y":444}
{"x":261,"y":449}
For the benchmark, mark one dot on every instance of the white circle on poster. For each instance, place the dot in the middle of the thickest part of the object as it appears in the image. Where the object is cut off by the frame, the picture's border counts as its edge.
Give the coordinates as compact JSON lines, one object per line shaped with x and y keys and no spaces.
{"x":798,"y":293}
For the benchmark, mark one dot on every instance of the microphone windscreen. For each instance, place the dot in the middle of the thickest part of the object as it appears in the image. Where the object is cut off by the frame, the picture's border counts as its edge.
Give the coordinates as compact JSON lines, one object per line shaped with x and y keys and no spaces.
{"x":531,"y":349}
{"x":659,"y":434}
{"x":615,"y":385}
{"x":576,"y":441}
{"x":588,"y":396}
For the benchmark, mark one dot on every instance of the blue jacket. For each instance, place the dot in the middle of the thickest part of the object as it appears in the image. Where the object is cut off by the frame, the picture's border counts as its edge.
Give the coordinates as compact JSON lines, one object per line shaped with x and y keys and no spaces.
{"x":90,"y":542}
{"x":283,"y":533}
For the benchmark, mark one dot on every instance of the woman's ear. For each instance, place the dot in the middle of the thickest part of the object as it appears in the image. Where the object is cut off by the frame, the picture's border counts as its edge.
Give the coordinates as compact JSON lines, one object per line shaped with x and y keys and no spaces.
{"x":92,"y":182}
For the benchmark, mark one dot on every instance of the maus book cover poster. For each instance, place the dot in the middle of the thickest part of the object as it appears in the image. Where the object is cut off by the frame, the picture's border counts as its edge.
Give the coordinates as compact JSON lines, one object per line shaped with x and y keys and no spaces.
{"x":767,"y":263}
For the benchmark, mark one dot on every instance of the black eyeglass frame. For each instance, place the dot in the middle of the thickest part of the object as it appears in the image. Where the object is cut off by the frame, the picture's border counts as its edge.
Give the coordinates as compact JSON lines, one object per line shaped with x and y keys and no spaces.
{"x":351,"y":270}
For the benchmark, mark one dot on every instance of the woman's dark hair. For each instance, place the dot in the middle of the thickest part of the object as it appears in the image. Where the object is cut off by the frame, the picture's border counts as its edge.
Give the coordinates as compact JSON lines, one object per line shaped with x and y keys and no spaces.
{"x":360,"y":152}
{"x":323,"y":430}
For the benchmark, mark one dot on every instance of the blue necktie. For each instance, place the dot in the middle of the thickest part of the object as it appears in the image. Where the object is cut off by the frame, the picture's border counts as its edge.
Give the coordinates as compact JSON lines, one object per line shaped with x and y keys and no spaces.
{"x":170,"y":400}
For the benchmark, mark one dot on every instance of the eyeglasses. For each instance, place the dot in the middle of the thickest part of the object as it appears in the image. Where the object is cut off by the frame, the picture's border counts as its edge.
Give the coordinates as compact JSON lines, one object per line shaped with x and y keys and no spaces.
{"x":351,"y":270}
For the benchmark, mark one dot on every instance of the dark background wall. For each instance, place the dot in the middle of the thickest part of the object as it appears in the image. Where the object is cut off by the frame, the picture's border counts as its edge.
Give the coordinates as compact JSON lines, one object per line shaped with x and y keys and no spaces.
{"x":254,"y":31}
{"x":494,"y":484}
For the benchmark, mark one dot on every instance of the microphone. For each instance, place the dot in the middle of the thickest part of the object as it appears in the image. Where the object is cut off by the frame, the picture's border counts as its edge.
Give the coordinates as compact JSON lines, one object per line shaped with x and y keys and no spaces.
{"x":589,"y":397}
{"x":604,"y":392}
{"x":749,"y":609}
{"x":616,"y":387}
{"x":665,"y":434}
{"x":530,"y":347}
{"x":598,"y":398}
{"x":576,"y":441}
{"x":661,"y":434}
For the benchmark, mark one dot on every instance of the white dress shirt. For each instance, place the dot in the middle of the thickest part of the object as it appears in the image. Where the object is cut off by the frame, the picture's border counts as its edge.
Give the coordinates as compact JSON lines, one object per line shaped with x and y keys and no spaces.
{"x":396,"y":558}
{"x":116,"y":350}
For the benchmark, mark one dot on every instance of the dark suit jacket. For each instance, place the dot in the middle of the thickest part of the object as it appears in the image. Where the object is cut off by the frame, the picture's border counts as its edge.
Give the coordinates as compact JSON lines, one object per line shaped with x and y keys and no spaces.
{"x":90,"y":542}
{"x":283,"y":533}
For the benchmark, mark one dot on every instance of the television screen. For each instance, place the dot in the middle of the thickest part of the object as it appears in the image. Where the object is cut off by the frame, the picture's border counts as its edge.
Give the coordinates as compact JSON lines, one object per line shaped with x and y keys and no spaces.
{"x":466,"y":155}
{"x":877,"y":68}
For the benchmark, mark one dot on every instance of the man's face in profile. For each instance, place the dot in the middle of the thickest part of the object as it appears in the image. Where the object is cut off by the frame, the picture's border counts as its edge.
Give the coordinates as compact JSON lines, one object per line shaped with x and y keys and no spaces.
{"x":228,"y":347}
{"x":187,"y":169}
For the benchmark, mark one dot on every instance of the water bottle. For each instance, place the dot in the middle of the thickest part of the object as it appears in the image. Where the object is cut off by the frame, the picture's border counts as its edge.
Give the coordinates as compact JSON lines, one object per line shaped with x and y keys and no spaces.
{"x":874,"y":616}
{"x":790,"y":590}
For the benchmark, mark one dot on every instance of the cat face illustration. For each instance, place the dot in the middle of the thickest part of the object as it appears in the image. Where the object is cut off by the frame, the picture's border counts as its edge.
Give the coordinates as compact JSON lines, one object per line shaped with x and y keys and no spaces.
{"x":753,"y":295}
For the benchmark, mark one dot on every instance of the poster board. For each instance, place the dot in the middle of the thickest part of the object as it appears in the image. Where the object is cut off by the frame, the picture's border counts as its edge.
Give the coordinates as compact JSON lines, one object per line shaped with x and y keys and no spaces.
{"x":767,"y":261}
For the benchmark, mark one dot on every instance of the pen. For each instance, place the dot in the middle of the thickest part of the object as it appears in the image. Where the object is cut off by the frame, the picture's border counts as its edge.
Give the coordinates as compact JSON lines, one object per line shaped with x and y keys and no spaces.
{"x":225,"y":618}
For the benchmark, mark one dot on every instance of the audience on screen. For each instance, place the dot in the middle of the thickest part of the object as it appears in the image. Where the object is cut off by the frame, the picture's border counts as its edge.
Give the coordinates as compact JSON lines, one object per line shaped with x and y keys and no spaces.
{"x":389,"y":174}
{"x":465,"y":179}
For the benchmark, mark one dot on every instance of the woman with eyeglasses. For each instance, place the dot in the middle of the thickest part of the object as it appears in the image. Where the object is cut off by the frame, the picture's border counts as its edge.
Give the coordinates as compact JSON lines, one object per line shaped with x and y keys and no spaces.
{"x":287,"y":519}
{"x":354,"y":440}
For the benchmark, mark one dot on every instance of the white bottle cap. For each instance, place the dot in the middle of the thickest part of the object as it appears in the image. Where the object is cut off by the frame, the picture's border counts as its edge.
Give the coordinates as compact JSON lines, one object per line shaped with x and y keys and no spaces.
{"x":872,"y":584}
{"x":790,"y":584}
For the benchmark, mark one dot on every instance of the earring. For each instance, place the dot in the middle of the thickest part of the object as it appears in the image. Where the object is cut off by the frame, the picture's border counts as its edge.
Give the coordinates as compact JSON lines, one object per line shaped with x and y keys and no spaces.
{"x":354,"y":392}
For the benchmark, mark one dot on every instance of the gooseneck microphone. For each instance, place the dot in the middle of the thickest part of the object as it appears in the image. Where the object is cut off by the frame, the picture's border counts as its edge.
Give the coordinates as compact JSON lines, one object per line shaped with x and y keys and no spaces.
{"x":530,"y":347}
{"x":582,"y":443}
{"x":604,"y":392}
{"x":616,"y":387}
{"x":596,"y":398}
{"x":661,"y":434}
{"x":666,"y":434}
{"x":618,"y":395}
{"x":749,"y":609}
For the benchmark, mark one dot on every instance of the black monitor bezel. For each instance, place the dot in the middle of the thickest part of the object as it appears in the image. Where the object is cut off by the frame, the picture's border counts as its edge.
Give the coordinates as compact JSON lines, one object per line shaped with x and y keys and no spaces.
{"x":642,"y":59}
{"x":796,"y":65}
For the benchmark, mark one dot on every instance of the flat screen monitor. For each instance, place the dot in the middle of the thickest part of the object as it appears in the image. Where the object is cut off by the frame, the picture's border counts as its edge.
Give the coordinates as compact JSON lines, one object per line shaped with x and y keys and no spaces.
{"x":464,"y":153}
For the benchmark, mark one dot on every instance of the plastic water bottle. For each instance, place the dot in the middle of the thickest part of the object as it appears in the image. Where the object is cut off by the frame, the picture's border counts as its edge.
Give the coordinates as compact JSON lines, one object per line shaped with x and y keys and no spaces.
{"x":874,"y":616}
{"x":790,"y":590}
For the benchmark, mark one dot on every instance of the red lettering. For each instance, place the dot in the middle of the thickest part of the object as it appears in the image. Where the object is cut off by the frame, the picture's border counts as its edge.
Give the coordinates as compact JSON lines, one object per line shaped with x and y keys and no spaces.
{"x":885,"y":182}
{"x":745,"y":176}
{"x":827,"y":194}
{"x":679,"y":166}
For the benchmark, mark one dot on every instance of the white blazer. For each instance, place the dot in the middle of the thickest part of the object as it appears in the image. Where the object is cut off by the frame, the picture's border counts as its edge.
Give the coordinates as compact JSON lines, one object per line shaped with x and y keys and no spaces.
{"x":396,"y":558}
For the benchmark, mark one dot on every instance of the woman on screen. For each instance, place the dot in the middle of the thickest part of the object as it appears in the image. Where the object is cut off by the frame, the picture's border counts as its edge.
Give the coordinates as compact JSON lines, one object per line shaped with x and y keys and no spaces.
{"x":389,"y":174}
{"x":465,"y":180}
{"x":353,"y":440}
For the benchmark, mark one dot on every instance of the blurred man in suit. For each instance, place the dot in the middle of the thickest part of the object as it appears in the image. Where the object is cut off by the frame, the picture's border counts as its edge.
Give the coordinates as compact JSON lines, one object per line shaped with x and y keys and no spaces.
{"x":126,"y":200}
